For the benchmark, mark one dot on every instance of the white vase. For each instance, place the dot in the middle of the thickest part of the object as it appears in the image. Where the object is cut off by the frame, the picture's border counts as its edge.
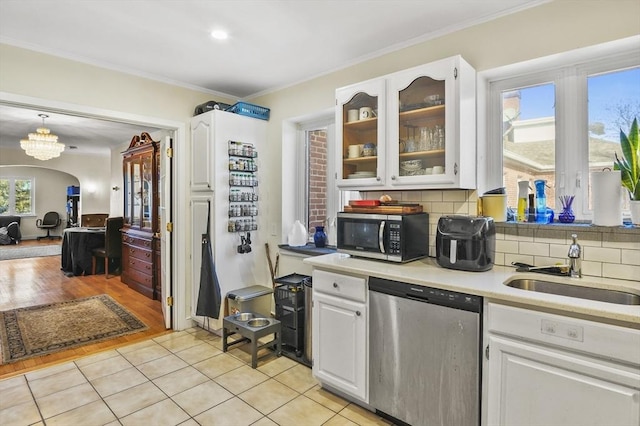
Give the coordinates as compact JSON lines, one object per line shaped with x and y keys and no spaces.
{"x":635,"y":211}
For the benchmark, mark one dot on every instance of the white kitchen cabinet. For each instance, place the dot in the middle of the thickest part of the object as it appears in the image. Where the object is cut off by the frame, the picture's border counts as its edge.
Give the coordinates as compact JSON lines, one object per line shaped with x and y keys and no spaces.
{"x":340,"y":328}
{"x":202,"y":130}
{"x":355,"y":133}
{"x":546,"y":369}
{"x":424,"y":129}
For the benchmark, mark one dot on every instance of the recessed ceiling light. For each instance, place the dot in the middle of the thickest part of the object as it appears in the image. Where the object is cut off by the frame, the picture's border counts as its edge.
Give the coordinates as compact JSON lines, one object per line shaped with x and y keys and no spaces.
{"x":219,"y":34}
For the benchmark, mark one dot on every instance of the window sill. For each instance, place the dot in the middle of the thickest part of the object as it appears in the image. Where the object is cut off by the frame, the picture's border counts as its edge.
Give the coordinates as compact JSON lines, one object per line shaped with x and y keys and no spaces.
{"x":309,"y":249}
{"x":626,"y":228}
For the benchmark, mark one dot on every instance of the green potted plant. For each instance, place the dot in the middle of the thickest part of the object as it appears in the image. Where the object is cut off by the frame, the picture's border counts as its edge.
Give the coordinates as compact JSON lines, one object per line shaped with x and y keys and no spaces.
{"x":629,"y":167}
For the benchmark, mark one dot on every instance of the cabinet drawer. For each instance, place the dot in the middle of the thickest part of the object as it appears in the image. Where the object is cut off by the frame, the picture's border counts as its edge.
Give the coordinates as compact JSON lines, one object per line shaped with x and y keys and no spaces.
{"x":140,"y":277}
{"x":339,"y":285}
{"x":131,"y":262}
{"x":138,"y":253}
{"x":136,"y":241}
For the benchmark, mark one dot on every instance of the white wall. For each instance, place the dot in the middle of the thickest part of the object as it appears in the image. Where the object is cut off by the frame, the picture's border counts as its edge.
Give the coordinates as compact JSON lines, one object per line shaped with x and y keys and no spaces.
{"x":50,"y":194}
{"x":92,"y":172}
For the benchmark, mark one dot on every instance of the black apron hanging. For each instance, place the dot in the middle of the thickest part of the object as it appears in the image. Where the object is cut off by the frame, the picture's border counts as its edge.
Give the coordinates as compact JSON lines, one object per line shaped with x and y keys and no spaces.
{"x":209,"y":297}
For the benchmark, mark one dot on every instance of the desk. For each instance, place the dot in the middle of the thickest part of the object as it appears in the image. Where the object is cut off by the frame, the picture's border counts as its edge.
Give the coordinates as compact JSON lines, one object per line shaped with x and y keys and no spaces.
{"x":77,"y":244}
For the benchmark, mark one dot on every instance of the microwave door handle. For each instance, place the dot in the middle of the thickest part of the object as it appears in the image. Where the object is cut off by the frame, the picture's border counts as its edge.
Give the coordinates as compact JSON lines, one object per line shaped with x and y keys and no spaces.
{"x":381,"y":236}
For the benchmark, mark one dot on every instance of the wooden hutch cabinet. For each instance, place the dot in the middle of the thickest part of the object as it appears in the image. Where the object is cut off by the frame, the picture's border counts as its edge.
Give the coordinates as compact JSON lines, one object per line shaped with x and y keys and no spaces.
{"x":141,"y":232}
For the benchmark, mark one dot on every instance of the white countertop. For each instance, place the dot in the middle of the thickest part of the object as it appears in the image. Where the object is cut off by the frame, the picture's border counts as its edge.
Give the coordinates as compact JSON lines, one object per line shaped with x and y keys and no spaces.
{"x":490,"y":284}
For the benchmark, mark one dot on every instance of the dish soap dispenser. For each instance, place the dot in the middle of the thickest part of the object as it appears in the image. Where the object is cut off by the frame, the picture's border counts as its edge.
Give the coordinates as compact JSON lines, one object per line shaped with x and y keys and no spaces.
{"x":523,"y":192}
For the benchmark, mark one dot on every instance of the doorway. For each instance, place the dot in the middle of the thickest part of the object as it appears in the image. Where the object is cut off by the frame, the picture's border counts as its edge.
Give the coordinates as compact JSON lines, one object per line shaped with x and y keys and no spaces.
{"x":175,"y":260}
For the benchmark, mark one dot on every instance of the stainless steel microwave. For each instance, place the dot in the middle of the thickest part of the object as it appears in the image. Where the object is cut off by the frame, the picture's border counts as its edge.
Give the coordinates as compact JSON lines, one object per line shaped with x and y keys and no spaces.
{"x":395,"y":238}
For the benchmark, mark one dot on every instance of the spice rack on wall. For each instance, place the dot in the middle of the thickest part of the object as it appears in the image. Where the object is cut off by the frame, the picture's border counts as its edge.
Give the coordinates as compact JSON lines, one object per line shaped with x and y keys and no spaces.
{"x":243,"y":181}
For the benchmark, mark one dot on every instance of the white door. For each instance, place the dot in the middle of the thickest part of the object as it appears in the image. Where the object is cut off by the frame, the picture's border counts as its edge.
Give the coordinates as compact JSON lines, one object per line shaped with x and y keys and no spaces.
{"x":536,"y":385}
{"x":165,"y":209}
{"x":339,"y":344}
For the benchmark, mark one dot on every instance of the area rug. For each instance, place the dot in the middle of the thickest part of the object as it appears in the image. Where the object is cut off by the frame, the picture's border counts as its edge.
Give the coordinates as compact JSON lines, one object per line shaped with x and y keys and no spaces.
{"x":17,"y":252}
{"x":45,"y":329}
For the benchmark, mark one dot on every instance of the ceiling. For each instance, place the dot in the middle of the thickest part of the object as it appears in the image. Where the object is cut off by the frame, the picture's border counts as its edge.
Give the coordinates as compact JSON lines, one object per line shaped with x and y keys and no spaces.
{"x":272,"y":44}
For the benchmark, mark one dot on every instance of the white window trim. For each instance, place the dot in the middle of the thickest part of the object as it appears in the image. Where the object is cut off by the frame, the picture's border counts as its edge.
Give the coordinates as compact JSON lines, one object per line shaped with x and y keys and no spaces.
{"x":570,"y":68}
{"x":295,"y":168}
{"x":12,"y":196}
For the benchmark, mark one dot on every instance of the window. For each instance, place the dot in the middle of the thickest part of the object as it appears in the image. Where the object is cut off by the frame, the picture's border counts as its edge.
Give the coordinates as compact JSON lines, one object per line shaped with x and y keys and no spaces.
{"x":16,"y":196}
{"x":309,"y":190}
{"x":559,"y":119}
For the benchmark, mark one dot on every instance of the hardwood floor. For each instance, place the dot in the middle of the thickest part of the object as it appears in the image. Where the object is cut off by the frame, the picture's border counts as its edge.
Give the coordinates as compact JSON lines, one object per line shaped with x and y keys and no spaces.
{"x":39,"y":280}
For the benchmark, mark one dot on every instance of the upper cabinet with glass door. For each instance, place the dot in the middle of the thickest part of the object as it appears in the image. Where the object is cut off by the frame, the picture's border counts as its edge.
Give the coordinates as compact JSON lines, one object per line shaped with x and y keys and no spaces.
{"x":360,"y":131}
{"x":430,"y":139}
{"x":140,"y":169}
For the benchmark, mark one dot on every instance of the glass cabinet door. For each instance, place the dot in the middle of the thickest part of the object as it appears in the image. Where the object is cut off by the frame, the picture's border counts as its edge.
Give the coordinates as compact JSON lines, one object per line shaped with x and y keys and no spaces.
{"x":147,"y":191}
{"x":418,"y":103}
{"x":128,"y":192}
{"x":136,"y":178}
{"x":360,"y":120}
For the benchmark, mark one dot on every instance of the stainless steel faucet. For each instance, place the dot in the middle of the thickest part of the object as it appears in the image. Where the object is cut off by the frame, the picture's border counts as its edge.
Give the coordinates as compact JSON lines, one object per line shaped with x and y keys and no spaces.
{"x":575,"y":258}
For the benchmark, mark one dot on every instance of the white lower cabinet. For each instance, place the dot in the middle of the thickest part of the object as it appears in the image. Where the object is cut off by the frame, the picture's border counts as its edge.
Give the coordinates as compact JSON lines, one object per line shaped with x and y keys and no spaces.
{"x":546,"y":369}
{"x":340,"y":328}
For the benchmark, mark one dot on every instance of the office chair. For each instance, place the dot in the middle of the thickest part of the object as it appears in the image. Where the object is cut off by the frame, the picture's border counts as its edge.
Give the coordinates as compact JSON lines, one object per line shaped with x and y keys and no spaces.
{"x":112,"y":244}
{"x":51,"y":220}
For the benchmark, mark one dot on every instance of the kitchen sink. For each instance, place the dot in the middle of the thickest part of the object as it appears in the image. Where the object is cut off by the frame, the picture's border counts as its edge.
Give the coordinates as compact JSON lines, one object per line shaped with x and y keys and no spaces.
{"x":599,"y":294}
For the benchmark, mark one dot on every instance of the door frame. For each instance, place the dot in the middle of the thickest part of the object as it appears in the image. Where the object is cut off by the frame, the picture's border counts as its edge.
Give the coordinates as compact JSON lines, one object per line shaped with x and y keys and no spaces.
{"x":179,"y":210}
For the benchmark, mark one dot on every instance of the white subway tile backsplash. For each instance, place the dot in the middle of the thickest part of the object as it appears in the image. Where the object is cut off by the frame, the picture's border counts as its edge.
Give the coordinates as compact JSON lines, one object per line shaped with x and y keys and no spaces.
{"x":461,"y":208}
{"x":442,"y":207}
{"x":454,"y":196}
{"x":558,"y":251}
{"x":593,"y":269}
{"x":631,"y":257}
{"x":431,"y":196}
{"x":609,"y":255}
{"x":623,"y":244}
{"x":612,"y":252}
{"x":411,"y":196}
{"x":621,"y":272}
{"x":534,"y":249}
{"x":504,"y":246}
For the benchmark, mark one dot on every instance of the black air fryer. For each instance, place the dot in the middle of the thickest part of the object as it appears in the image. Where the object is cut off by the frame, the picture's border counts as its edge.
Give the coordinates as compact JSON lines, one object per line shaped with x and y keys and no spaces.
{"x":467,"y":243}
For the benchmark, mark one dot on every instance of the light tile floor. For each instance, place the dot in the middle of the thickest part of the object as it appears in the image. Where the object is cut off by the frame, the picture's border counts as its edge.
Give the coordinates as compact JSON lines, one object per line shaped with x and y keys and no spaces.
{"x":182,"y":378}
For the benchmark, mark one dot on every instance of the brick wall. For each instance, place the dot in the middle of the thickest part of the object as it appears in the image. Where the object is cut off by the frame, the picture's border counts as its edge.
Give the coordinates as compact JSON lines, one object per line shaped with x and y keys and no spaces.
{"x":317,"y":178}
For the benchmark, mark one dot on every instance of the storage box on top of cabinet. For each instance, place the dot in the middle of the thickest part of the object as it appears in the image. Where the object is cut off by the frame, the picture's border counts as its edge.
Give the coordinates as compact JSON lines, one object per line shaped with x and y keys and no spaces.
{"x":416,"y":129}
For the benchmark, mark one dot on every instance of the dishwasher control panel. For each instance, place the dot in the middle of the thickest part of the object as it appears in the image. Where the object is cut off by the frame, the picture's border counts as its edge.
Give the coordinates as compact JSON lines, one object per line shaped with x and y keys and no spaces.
{"x":452,"y":299}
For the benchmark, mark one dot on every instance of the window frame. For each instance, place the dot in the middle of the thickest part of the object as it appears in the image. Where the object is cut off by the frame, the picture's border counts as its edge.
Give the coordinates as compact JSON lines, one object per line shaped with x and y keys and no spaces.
{"x":294,"y":170}
{"x":12,"y":196}
{"x":568,"y":71}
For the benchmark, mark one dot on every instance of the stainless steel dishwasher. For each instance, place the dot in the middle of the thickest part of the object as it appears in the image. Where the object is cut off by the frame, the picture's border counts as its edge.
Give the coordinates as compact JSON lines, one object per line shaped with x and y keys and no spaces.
{"x":424,"y":359}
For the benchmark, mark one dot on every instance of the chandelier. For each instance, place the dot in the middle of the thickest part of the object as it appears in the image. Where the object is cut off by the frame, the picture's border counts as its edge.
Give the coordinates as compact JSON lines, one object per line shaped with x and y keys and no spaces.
{"x":42,"y":145}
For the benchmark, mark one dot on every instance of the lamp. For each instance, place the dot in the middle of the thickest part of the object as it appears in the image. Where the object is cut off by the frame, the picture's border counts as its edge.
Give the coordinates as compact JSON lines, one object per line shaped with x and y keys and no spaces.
{"x":42,"y":145}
